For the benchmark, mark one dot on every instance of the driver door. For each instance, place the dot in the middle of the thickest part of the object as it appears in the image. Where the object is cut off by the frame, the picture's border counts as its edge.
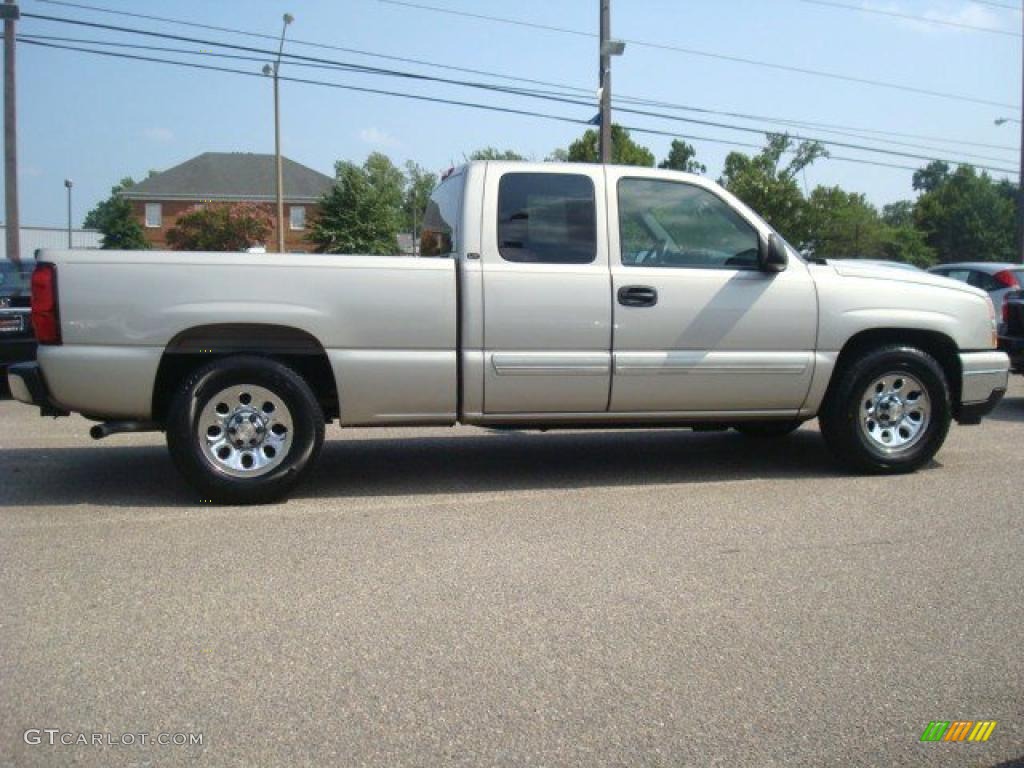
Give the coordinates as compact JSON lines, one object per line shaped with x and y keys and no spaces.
{"x":697,"y":326}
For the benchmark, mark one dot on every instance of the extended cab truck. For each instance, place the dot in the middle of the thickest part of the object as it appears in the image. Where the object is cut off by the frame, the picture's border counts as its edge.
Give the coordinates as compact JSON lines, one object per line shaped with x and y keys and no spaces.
{"x":560,"y":296}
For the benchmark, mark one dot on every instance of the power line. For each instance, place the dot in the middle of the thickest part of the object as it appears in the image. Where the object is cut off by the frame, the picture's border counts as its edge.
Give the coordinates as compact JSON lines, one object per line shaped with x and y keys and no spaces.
{"x":843,"y":130}
{"x":450,"y":102}
{"x":711,"y":55}
{"x":1004,"y":6}
{"x":500,"y":89}
{"x":912,"y":17}
{"x":307,"y":43}
{"x":357,"y":69}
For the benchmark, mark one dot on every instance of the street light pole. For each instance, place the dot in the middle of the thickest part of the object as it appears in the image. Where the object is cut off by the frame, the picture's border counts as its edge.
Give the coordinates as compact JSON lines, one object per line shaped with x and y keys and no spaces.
{"x":9,"y":12}
{"x":288,"y":19}
{"x":69,"y":184}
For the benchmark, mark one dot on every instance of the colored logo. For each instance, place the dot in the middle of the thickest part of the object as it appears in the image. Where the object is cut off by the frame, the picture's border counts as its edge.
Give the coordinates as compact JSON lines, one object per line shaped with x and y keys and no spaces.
{"x":958,"y":730}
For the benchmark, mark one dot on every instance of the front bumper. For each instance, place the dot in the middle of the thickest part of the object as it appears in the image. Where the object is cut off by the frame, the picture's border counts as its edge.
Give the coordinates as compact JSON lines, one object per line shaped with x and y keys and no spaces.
{"x":28,"y":386}
{"x":985,"y":378}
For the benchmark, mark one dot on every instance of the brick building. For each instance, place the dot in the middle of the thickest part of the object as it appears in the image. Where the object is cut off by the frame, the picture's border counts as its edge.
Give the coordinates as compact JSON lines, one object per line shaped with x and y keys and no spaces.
{"x":211,"y":177}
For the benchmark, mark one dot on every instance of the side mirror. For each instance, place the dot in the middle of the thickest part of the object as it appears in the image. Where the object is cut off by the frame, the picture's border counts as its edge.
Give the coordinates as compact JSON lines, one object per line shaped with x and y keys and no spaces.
{"x":771,"y":255}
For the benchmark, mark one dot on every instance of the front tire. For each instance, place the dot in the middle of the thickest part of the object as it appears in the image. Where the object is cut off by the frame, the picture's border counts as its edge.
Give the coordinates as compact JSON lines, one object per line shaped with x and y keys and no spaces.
{"x":243,"y":430}
{"x":888,"y":412}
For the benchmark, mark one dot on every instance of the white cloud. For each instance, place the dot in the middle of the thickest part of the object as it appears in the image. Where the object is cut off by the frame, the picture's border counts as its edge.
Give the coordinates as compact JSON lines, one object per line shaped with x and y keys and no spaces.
{"x":159,"y":135}
{"x":378,"y":138}
{"x":946,"y":13}
{"x":972,"y":15}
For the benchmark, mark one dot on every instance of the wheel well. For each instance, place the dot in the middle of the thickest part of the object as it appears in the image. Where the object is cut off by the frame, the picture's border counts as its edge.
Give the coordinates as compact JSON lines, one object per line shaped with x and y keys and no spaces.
{"x":195,"y":347}
{"x":938,"y":345}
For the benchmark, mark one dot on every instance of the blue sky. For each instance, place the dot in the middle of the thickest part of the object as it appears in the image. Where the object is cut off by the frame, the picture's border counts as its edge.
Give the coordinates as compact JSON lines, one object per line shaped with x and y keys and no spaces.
{"x":96,"y":120}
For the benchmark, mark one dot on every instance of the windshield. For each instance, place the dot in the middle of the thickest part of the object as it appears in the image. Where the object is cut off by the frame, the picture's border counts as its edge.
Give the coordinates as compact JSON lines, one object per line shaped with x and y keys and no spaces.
{"x":16,"y":279}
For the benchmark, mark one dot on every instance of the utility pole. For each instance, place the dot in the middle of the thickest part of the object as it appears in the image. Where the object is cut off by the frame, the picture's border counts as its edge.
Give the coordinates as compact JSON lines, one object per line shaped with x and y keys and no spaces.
{"x":1020,"y":178}
{"x":9,"y":12}
{"x":605,"y":143}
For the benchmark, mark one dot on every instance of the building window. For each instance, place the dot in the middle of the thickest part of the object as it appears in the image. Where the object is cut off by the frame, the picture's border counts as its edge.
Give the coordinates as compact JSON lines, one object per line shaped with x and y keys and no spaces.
{"x":154,"y":215}
{"x":297,"y":217}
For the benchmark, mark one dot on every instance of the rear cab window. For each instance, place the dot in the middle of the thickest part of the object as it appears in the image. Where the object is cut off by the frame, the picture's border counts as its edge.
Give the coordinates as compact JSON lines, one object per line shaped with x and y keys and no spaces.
{"x":440,"y":233}
{"x":547,"y":218}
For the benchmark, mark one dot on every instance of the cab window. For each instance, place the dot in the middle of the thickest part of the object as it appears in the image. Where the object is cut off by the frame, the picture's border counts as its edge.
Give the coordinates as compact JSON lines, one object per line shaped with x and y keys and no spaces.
{"x":547,"y":218}
{"x":439,"y":233}
{"x":671,"y":224}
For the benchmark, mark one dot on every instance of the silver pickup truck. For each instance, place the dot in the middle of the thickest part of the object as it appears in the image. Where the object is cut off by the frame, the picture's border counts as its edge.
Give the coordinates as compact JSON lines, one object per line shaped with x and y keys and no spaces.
{"x":558,"y":296}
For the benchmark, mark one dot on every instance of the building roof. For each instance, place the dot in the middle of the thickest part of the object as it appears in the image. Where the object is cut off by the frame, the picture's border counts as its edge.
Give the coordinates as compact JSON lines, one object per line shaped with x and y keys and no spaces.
{"x":232,"y":176}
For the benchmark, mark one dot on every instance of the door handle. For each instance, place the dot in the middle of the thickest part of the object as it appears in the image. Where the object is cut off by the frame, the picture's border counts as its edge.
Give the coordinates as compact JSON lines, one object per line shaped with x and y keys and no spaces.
{"x":637,"y":296}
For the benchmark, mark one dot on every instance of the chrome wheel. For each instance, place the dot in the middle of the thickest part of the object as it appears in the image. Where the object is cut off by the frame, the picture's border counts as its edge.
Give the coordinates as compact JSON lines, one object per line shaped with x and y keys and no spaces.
{"x":245,"y":431}
{"x":895,"y":413}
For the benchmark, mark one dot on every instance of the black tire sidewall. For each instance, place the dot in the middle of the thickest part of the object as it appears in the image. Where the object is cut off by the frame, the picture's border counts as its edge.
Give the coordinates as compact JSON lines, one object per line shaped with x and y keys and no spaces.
{"x":182,"y":437}
{"x":841,"y":425}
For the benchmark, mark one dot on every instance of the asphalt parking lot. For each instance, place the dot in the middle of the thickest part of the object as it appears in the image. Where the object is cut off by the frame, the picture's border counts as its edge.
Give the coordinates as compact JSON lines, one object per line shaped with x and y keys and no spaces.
{"x":468,"y":598}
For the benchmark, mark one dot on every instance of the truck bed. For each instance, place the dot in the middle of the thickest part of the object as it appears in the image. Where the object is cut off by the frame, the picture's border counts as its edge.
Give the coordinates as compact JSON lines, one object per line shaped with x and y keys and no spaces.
{"x":379,"y":319}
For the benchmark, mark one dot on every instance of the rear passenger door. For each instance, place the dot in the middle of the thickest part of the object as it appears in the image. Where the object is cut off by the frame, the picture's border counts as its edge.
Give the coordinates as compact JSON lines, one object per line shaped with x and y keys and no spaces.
{"x":546,"y":285}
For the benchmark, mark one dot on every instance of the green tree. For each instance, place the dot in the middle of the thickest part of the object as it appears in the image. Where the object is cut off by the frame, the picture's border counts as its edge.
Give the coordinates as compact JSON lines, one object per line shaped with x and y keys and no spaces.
{"x":491,"y":153}
{"x":931,"y":177}
{"x":419,"y":183}
{"x":907,"y":243}
{"x":899,"y":214}
{"x":625,"y":151}
{"x":964,"y":214}
{"x":842,"y":224}
{"x":220,"y":227}
{"x":770,"y":187}
{"x":113,"y":217}
{"x":682,"y":157}
{"x":362,"y":212}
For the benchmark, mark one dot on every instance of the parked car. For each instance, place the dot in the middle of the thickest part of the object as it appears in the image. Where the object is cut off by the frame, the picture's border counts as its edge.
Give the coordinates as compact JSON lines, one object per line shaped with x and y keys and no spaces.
{"x":997,"y":279}
{"x":1011,"y":336}
{"x":878,"y":263}
{"x":561,"y":295}
{"x":17,"y":342}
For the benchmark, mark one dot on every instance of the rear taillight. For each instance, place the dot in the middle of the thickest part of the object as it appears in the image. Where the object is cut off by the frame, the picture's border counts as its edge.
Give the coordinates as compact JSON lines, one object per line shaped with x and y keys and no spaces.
{"x":45,"y":315}
{"x":1007,"y":279}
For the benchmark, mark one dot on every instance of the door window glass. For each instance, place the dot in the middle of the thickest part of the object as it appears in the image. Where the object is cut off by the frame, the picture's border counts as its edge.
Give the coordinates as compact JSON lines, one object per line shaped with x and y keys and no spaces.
{"x":547,"y":218}
{"x":670,"y":224}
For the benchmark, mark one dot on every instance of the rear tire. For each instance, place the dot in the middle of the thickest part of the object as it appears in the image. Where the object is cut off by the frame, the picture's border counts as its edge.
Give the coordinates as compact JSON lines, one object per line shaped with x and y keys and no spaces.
{"x":244,"y":430}
{"x":888,"y":412}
